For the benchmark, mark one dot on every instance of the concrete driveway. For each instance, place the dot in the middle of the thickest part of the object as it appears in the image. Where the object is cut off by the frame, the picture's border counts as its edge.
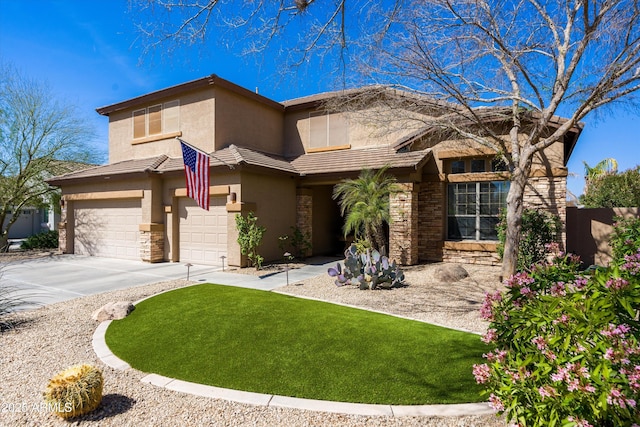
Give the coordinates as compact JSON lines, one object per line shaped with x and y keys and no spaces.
{"x":63,"y":277}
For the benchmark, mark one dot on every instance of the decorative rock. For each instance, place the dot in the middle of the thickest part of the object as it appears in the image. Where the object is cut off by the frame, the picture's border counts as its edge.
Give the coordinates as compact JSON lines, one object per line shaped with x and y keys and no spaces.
{"x":450,"y":273}
{"x":113,"y":311}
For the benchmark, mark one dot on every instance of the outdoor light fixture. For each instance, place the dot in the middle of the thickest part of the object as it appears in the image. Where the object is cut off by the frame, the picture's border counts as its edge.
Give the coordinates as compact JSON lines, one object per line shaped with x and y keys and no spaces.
{"x":287,"y":256}
{"x":188,"y":265}
{"x":222,"y":258}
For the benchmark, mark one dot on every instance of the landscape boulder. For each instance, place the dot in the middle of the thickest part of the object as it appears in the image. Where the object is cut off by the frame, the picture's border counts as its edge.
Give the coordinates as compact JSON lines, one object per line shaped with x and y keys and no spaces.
{"x":450,"y":273}
{"x":113,"y":311}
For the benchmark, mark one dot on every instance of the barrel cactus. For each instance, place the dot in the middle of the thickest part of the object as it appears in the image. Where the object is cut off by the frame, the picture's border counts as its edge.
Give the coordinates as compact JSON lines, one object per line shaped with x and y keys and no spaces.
{"x":75,"y":391}
{"x":367,"y":270}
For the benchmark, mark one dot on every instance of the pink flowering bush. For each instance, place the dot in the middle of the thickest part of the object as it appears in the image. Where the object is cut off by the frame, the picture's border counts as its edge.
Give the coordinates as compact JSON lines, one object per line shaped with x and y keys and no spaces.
{"x":565,"y":346}
{"x":625,"y":239}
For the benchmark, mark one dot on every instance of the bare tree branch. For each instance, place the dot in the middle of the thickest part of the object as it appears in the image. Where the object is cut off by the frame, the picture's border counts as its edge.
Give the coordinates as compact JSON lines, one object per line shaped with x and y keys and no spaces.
{"x":517,"y":64}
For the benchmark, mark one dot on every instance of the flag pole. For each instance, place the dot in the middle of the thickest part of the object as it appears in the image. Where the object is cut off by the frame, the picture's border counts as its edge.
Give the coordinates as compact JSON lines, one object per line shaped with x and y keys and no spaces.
{"x":206,"y":154}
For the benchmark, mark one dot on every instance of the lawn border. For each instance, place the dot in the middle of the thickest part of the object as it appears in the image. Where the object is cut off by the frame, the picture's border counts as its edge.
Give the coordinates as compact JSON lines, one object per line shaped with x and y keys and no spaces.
{"x":107,"y":357}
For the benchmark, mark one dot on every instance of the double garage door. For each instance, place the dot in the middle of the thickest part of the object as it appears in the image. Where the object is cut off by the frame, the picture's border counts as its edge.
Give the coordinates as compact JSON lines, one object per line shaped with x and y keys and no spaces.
{"x":107,"y":228}
{"x":111,"y":228}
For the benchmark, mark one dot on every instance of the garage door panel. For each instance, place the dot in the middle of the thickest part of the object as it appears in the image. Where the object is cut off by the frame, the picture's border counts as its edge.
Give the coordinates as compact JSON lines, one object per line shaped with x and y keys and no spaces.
{"x":107,"y":228}
{"x":203,"y":233}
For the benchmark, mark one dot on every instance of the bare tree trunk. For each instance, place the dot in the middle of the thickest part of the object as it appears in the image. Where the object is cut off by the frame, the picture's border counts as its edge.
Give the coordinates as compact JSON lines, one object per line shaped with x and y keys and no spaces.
{"x":515,"y":207}
{"x":4,"y":241}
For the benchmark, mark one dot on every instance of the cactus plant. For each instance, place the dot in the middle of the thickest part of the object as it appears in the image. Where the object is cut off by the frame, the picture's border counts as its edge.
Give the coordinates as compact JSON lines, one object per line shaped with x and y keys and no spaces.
{"x":367,"y":270}
{"x":75,"y":391}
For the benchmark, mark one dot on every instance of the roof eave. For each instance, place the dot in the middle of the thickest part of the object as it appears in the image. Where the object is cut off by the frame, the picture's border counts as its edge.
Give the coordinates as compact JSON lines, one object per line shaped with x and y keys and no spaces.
{"x":212,"y":80}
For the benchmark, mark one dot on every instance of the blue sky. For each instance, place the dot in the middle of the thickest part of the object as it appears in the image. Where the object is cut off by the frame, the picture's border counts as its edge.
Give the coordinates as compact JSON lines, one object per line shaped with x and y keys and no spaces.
{"x":89,"y":53}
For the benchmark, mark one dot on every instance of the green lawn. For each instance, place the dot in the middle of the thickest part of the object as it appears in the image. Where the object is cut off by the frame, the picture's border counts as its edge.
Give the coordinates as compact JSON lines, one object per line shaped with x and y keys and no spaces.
{"x":271,"y":343}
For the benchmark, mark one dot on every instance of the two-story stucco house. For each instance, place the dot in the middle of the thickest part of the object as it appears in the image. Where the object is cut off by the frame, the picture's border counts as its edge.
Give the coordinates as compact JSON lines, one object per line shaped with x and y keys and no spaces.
{"x":281,"y":161}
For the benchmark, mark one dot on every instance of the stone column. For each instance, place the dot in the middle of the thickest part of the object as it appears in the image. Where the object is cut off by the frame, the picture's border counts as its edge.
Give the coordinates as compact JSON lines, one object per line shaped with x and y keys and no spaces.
{"x":152,"y":242}
{"x":403,"y":224}
{"x":65,"y":227}
{"x":304,"y":214}
{"x":431,"y":222}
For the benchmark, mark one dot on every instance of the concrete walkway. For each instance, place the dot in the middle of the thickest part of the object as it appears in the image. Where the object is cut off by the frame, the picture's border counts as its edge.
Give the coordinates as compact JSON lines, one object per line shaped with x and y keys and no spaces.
{"x":58,"y":278}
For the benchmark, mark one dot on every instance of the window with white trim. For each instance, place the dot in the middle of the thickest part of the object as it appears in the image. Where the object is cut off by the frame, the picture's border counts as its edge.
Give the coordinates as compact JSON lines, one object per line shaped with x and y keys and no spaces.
{"x":156,"y":119}
{"x":473,"y":209}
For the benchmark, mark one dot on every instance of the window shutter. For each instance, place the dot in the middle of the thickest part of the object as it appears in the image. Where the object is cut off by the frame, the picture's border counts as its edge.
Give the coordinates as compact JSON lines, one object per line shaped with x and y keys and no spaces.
{"x":337,"y":130}
{"x":139,"y":125}
{"x":317,"y":130}
{"x":155,"y":120}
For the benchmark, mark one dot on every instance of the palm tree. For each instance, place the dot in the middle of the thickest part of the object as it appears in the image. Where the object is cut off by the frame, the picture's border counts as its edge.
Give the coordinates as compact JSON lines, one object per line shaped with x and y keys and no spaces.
{"x":364,"y":203}
{"x":604,"y":167}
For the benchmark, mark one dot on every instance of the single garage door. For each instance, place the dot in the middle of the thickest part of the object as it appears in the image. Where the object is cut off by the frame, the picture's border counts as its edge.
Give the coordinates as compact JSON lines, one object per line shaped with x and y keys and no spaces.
{"x":107,"y":228}
{"x":203,"y":234}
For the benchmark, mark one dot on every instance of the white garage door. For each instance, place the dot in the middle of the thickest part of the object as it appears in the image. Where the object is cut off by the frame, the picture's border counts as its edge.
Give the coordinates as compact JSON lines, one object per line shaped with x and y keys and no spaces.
{"x":203,"y":234}
{"x":107,"y":228}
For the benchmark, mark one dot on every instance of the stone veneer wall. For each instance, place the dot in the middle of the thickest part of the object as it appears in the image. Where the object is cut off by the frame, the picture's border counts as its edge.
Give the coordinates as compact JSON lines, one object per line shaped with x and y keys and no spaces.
{"x":462,"y":253}
{"x":304,"y":214}
{"x":62,"y":237}
{"x":431,"y":203}
{"x":403,"y":224}
{"x":152,"y":243}
{"x":541,"y":192}
{"x":550,"y":194}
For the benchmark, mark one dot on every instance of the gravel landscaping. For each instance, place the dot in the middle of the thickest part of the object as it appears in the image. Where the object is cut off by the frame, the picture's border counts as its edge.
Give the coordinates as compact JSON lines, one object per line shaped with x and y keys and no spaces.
{"x":52,"y":338}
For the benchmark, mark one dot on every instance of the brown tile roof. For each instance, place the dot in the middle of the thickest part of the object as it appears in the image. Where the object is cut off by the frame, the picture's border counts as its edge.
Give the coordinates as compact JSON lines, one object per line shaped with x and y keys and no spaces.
{"x":258,"y":159}
{"x":124,"y":167}
{"x":234,"y":155}
{"x":198,"y":84}
{"x":358,"y":159}
{"x":307,"y":164}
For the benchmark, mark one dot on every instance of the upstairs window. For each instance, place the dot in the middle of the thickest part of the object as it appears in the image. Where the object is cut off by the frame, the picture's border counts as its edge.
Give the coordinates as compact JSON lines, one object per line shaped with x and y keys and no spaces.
{"x":327,"y":130}
{"x":156,"y":120}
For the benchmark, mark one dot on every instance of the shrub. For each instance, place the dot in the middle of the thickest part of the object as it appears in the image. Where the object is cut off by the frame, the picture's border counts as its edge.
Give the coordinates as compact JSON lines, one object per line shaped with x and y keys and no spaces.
{"x":46,"y":240}
{"x":249,"y":238}
{"x":539,"y":229}
{"x":75,"y":391}
{"x":614,"y":190}
{"x":367,"y":270}
{"x":625,"y":239}
{"x":298,"y":243}
{"x":565,"y":347}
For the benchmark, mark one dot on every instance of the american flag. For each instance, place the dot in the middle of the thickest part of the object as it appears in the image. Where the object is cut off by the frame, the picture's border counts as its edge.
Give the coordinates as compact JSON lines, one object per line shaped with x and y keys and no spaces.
{"x":196,"y":169}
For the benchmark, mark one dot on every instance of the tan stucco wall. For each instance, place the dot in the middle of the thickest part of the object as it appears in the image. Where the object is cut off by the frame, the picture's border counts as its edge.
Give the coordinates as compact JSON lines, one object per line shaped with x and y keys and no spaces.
{"x":362,"y":132}
{"x":197,"y":122}
{"x":247,"y":123}
{"x":107,"y":186}
{"x":275,"y":200}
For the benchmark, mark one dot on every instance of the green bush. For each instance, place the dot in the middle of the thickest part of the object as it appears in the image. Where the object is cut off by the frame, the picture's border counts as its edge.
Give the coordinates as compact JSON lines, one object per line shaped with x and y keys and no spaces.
{"x":565,"y":347}
{"x":298,"y":244}
{"x":539,"y":229}
{"x":614,"y":190}
{"x":625,"y":239}
{"x":46,"y":240}
{"x":249,"y":238}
